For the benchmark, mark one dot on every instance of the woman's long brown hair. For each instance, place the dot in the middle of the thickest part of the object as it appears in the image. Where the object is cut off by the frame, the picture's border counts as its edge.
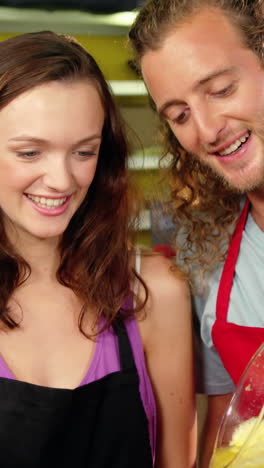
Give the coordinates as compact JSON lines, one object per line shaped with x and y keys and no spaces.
{"x":95,"y":259}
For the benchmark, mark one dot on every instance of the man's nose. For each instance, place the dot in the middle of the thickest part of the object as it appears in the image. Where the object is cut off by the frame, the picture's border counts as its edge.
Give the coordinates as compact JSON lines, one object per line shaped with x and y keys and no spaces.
{"x":210,"y":126}
{"x":58,"y":174}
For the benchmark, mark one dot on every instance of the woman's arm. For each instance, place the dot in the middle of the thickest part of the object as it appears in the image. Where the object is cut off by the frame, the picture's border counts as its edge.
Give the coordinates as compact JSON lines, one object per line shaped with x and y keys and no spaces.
{"x":167,"y":339}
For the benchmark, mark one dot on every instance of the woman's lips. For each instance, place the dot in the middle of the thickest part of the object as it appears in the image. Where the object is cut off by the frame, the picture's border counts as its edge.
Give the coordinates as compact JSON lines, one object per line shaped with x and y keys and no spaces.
{"x":48,"y":210}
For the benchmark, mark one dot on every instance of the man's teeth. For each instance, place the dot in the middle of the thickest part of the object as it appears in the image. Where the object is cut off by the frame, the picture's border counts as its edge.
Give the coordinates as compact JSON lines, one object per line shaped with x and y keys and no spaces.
{"x":47,"y":202}
{"x":232,"y":148}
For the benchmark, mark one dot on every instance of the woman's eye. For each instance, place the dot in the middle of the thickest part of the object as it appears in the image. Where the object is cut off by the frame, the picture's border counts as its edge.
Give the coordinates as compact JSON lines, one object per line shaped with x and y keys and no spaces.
{"x":86,"y":154}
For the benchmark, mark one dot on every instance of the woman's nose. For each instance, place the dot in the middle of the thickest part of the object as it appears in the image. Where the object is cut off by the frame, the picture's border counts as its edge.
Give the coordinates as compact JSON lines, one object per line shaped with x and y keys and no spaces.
{"x":58,"y":174}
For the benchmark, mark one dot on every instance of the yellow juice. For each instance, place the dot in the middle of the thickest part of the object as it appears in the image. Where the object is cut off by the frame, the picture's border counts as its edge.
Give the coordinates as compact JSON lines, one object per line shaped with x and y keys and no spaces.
{"x":223,"y":458}
{"x":246,"y":449}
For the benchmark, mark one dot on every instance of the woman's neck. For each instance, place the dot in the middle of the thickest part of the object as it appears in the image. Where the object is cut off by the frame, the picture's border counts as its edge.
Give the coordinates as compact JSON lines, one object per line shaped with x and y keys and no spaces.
{"x":42,"y":255}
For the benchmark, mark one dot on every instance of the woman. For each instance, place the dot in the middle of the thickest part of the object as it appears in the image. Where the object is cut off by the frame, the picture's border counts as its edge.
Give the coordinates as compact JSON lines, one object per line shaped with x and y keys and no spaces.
{"x":75,"y":389}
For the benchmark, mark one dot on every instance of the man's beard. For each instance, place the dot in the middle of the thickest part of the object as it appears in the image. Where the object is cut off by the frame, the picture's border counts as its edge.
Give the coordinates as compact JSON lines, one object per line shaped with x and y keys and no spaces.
{"x":231,"y":187}
{"x":257,"y":183}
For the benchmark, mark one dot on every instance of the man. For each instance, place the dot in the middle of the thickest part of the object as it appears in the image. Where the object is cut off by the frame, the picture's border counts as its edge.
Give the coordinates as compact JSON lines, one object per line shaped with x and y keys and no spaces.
{"x":203,"y":64}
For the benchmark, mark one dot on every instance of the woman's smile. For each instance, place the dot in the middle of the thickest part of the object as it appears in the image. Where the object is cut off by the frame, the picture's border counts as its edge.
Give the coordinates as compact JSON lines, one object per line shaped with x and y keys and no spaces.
{"x":48,"y":163}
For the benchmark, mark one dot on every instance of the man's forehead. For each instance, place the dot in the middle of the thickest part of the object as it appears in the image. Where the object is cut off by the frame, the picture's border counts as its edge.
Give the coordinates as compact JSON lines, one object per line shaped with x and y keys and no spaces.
{"x":203,"y":25}
{"x":207,"y":45}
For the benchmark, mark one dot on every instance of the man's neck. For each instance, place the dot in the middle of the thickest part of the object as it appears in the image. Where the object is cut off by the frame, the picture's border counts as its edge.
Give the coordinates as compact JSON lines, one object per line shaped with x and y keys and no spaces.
{"x":257,"y":206}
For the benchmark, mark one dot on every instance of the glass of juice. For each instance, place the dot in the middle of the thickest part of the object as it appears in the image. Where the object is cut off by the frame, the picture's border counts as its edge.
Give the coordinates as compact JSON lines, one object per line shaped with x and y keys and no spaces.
{"x":240,"y":439}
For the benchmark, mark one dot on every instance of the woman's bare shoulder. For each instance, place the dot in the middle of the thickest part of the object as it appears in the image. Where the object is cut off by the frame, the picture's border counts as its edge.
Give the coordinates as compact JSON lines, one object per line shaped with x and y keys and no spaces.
{"x":166,"y":333}
{"x":163,"y":278}
{"x":168,"y":306}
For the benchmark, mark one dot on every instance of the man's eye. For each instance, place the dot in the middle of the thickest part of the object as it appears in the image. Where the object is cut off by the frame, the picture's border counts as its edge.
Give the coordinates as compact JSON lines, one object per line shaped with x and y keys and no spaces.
{"x":27,"y":154}
{"x":224,"y":91}
{"x":181,"y":118}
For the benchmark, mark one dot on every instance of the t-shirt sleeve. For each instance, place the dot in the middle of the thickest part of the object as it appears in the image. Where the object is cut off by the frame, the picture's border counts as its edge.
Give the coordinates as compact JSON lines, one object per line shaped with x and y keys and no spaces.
{"x":211,"y":376}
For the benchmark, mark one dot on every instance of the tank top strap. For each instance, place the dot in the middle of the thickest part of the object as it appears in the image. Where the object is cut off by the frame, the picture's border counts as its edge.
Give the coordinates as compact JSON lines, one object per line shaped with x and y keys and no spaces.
{"x":137,"y":270}
{"x":125,"y":351}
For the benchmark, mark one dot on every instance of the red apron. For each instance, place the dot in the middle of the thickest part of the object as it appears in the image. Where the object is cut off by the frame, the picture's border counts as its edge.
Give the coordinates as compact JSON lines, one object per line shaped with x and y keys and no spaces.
{"x":235,"y":344}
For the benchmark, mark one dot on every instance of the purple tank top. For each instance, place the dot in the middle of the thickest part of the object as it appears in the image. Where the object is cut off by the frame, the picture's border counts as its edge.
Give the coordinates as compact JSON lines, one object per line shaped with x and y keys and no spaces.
{"x":105,"y":360}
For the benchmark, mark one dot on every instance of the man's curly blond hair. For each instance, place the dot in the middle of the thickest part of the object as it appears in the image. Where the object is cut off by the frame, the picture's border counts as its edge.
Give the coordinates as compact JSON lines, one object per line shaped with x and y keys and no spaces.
{"x":201,"y":201}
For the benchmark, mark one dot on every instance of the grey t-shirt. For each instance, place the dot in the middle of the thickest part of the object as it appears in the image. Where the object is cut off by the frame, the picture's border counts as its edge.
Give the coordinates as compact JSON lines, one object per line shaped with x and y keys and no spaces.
{"x":245,"y":307}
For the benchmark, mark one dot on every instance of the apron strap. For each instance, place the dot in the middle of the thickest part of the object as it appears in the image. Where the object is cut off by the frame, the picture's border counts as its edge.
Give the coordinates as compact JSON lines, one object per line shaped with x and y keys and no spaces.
{"x":226,"y":281}
{"x":127,"y":361}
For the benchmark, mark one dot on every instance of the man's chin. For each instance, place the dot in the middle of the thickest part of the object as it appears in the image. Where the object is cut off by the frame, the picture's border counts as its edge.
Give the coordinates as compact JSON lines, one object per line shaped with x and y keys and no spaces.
{"x":240,"y":186}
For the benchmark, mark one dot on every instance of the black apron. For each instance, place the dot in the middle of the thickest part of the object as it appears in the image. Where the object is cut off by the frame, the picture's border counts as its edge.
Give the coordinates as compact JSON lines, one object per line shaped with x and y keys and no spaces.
{"x":99,"y":425}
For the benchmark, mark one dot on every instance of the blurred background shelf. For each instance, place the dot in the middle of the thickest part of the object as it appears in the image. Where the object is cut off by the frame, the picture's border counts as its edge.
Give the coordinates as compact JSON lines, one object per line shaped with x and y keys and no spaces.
{"x":72,"y":21}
